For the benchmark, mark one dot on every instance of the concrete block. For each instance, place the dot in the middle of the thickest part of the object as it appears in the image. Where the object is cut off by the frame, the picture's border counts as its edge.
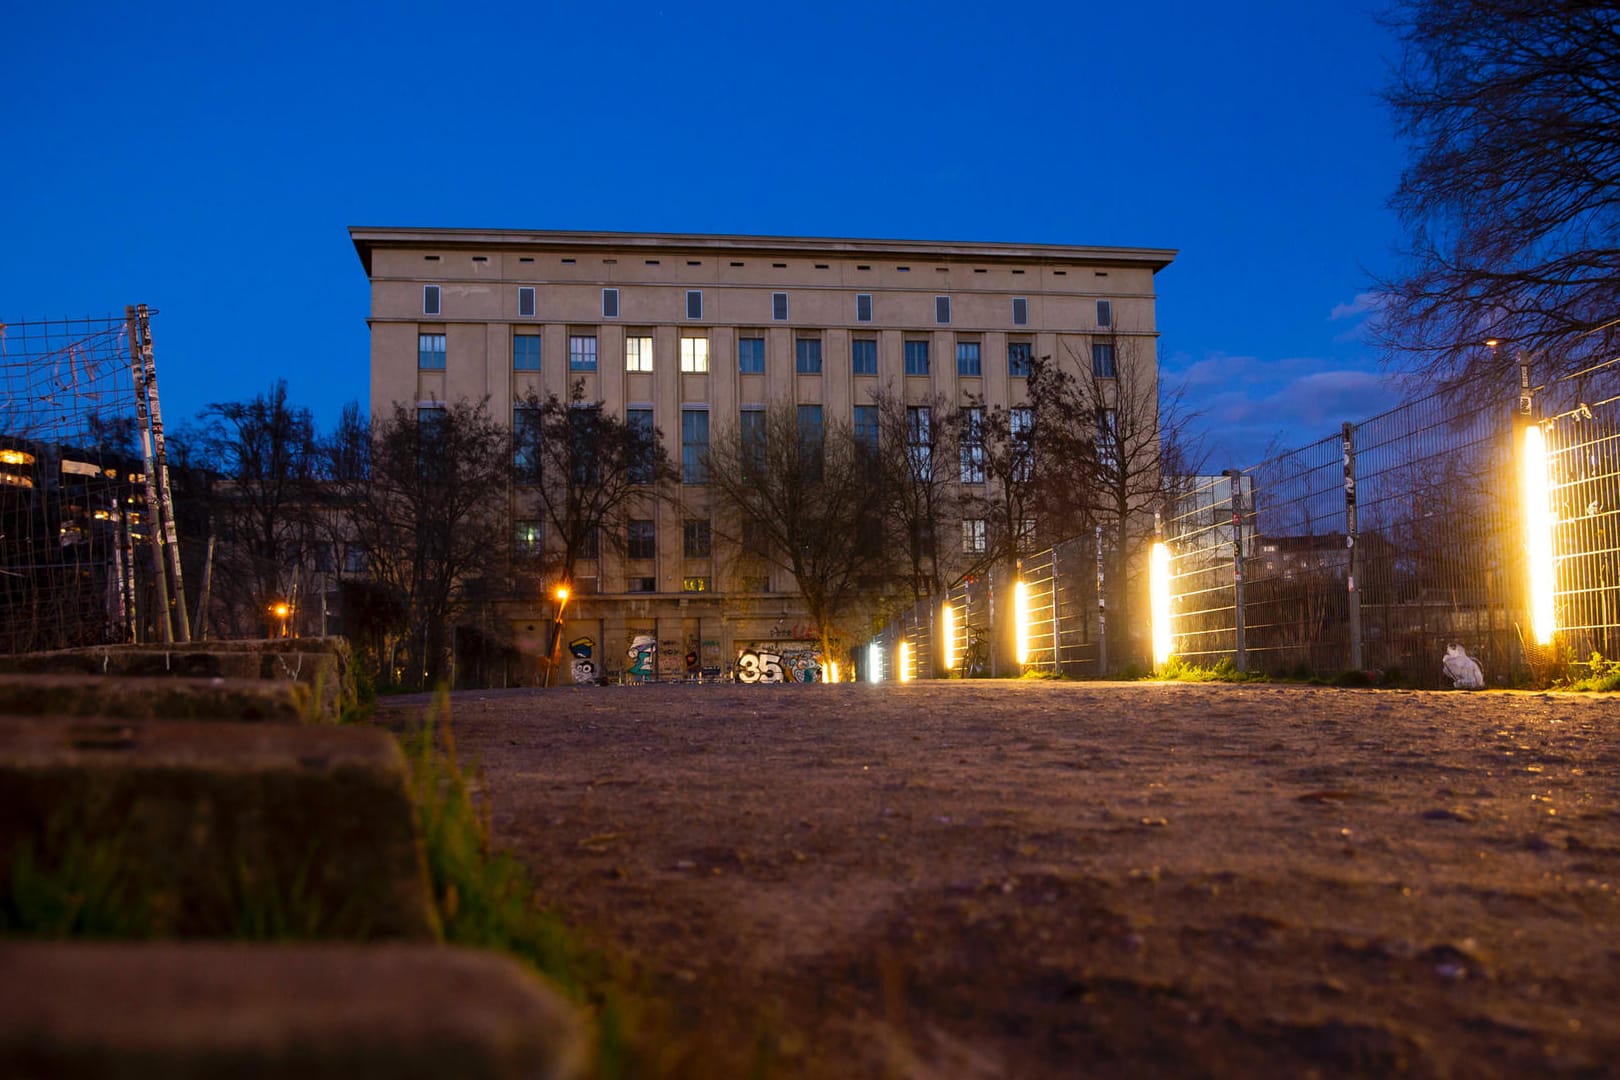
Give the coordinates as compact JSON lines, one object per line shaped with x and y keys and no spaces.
{"x":188,"y":1011}
{"x":335,"y":647}
{"x":142,"y":698}
{"x":152,"y":828}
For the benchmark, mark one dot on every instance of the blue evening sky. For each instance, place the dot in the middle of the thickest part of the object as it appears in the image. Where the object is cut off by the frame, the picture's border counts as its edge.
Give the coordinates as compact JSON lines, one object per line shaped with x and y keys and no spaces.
{"x":207,"y":159}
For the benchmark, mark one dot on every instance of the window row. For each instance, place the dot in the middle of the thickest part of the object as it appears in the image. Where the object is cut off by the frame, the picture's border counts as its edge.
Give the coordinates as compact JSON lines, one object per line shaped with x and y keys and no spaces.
{"x":432,"y":304}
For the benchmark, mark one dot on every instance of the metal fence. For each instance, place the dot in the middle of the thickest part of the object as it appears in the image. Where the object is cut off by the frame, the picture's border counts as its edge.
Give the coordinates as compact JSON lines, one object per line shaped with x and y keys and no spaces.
{"x":1372,"y":549}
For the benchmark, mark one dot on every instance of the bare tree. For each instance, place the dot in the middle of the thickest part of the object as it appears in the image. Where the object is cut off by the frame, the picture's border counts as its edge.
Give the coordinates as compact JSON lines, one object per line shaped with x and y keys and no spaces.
{"x":810,"y":501}
{"x":915,"y":458}
{"x":1514,"y":190}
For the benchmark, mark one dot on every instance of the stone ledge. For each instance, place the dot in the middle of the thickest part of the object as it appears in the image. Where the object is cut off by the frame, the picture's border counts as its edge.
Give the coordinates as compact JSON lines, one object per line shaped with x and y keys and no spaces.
{"x":280,"y":1011}
{"x":145,"y":698}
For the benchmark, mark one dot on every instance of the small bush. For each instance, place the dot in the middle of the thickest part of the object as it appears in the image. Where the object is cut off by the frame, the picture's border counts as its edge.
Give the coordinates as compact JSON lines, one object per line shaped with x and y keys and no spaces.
{"x":1224,"y":670}
{"x":1602,"y":676}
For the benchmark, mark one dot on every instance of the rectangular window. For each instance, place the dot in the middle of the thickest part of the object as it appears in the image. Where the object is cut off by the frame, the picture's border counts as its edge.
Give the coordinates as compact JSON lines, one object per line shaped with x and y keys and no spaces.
{"x":1107,"y":440}
{"x":694,"y":303}
{"x":967,"y":358}
{"x":694,"y":354}
{"x":920,"y":441}
{"x":526,"y":445}
{"x":866,"y":427}
{"x":779,"y":308}
{"x":430,"y":352}
{"x":582,"y":352}
{"x":526,"y":352}
{"x":428,"y":418}
{"x":916,"y":358}
{"x":697,"y":538}
{"x":640,"y":421}
{"x":751,"y":434}
{"x":695,"y":584}
{"x":641,"y":584}
{"x":942,"y":309}
{"x":638,"y":354}
{"x":694,"y":446}
{"x":863,"y":307}
{"x":975,"y":536}
{"x":526,"y":301}
{"x":1102,"y":361}
{"x":751,"y":355}
{"x":592,"y":546}
{"x":430,"y":299}
{"x":528,"y":539}
{"x":1105,"y":313}
{"x":863,"y":356}
{"x":642,"y":541}
{"x":807,"y":356}
{"x":972,"y":446}
{"x":1018,"y":353}
{"x":1020,"y":311}
{"x":1021,"y":432}
{"x":610,"y":303}
{"x":810,"y":424}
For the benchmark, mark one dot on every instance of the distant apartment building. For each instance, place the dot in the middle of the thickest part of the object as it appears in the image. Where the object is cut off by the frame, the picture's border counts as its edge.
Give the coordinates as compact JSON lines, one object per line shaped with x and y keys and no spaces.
{"x":692,"y":332}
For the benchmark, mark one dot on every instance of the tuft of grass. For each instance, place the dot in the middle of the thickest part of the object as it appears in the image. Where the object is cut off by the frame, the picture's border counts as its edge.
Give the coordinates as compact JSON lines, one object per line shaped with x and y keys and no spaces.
{"x":1178,"y":670}
{"x":1602,"y":677}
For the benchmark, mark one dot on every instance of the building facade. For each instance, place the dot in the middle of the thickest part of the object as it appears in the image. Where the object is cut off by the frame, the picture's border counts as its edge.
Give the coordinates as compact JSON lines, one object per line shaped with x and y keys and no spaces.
{"x":695,"y":330}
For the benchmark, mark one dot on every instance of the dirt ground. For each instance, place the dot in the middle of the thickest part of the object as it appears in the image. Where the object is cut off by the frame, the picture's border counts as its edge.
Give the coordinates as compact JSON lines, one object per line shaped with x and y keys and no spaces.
{"x":1026,"y":879}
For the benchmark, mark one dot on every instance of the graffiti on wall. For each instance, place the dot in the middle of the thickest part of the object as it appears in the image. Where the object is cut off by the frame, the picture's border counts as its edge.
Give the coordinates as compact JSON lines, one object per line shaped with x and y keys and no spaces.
{"x":582,"y":649}
{"x":642,"y":656}
{"x":779,"y":662}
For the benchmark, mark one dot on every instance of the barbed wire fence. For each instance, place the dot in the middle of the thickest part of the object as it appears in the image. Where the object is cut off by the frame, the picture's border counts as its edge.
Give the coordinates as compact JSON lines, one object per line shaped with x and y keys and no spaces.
{"x":88,"y":547}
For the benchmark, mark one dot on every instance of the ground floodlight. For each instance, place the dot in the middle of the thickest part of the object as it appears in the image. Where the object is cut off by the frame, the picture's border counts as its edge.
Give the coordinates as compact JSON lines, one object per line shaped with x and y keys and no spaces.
{"x":1538,"y":526}
{"x":1159,"y":582}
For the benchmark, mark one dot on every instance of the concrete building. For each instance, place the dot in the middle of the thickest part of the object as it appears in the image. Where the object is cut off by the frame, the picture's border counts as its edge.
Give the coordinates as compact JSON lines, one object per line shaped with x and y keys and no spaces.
{"x":697,"y":329}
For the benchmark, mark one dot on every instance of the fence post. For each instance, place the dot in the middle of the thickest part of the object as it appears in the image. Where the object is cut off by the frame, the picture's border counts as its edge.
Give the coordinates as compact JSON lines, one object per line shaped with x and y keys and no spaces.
{"x":154,"y":522}
{"x":1240,"y":656}
{"x":1102,"y":610}
{"x":1351,"y":537}
{"x":1057,"y":620}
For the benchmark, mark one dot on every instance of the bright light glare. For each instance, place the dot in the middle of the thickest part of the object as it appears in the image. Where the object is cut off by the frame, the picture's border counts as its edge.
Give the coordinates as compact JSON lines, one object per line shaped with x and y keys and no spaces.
{"x":1538,"y":526}
{"x":903,"y":661}
{"x":1021,"y":622}
{"x":1159,"y":579}
{"x":947,"y":629}
{"x":874,"y":662}
{"x":832,"y":671}
{"x":562,"y":594}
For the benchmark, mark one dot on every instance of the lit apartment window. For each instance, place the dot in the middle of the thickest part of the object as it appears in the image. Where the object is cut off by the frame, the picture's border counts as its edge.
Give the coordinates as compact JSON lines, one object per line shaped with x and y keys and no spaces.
{"x":1102,"y":361}
{"x":779,"y":307}
{"x":972,"y":446}
{"x":638,"y":354}
{"x":642,"y":540}
{"x":526,"y":301}
{"x":610,"y":303}
{"x":694,"y":446}
{"x":694,"y":354}
{"x":967,"y":358}
{"x":641,"y":421}
{"x":751,"y":355}
{"x":526,"y":352}
{"x":694,"y":303}
{"x":866,"y":427}
{"x":975,"y":536}
{"x":807,"y":356}
{"x":526,"y":444}
{"x":1020,"y":311}
{"x":430,"y":299}
{"x":863,"y":356}
{"x":1105,"y":313}
{"x":942,"y":309}
{"x":863,"y":307}
{"x":697,"y":538}
{"x":582,"y":352}
{"x":1018,"y":353}
{"x":920,"y":441}
{"x":916,"y":357}
{"x":430,"y":352}
{"x":528,"y":539}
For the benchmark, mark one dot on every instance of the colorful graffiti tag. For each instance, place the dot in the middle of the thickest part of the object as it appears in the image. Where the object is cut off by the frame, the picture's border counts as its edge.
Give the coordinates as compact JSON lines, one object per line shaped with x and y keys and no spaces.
{"x":643,"y":657}
{"x":584,"y":667}
{"x":779,"y":662}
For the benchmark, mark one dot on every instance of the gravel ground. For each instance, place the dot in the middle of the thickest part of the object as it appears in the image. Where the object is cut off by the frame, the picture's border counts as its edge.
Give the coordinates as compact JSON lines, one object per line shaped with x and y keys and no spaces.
{"x":1025,"y":879}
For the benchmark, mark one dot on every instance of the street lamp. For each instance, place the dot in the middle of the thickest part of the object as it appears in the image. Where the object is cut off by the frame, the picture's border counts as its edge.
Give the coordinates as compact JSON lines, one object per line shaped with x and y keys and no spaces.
{"x":557,"y":632}
{"x":281,"y":609}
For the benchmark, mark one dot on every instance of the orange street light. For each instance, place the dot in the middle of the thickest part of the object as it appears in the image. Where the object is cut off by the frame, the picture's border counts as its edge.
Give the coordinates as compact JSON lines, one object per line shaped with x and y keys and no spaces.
{"x":281,"y":609}
{"x":557,"y":633}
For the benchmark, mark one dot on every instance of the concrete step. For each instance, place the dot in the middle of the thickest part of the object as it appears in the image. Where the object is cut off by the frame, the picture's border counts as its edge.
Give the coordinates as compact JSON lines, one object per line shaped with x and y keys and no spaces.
{"x":145,"y":698}
{"x":197,"y":829}
{"x":317,"y":670}
{"x":187,"y":1011}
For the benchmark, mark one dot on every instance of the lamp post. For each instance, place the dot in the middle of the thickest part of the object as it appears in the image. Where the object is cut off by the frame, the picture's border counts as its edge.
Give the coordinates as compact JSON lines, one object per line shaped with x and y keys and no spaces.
{"x":557,"y":633}
{"x":281,"y":609}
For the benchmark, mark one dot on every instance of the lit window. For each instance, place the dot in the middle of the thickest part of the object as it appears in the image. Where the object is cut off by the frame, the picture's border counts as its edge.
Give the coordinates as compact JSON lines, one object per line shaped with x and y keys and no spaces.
{"x":971,"y":449}
{"x":1020,"y":311}
{"x":975,"y":536}
{"x":694,"y":354}
{"x":967,"y":358}
{"x":751,"y":355}
{"x":610,"y":303}
{"x":698,"y":538}
{"x":582,"y":353}
{"x":642,"y":540}
{"x":1018,"y":353}
{"x":807,"y":356}
{"x":430,"y":352}
{"x":526,"y":352}
{"x":430,"y":299}
{"x":526,"y":301}
{"x":1102,"y":361}
{"x":694,"y":446}
{"x":863,"y":356}
{"x":779,"y":306}
{"x":863,"y":307}
{"x":638,"y":354}
{"x":916,"y":357}
{"x":528,"y":539}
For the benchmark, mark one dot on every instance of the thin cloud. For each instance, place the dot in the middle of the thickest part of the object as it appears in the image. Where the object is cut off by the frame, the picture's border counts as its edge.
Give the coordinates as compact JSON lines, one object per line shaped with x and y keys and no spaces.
{"x":1363,"y":304}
